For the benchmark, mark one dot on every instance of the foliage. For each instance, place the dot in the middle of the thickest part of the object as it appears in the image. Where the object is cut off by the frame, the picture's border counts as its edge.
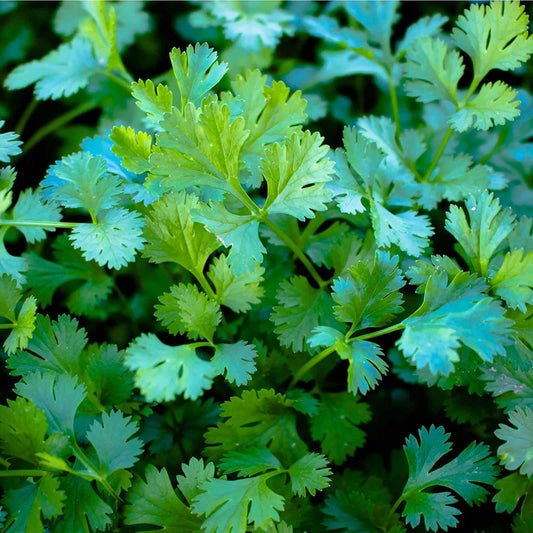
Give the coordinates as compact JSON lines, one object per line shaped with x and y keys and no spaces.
{"x":221,"y":314}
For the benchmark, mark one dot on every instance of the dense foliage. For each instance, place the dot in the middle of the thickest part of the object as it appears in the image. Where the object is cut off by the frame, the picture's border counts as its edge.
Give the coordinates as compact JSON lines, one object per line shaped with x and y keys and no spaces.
{"x":284,"y":285}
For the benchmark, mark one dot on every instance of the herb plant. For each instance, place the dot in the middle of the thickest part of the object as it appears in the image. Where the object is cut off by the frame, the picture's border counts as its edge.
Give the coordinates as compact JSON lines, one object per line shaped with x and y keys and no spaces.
{"x":213,"y":313}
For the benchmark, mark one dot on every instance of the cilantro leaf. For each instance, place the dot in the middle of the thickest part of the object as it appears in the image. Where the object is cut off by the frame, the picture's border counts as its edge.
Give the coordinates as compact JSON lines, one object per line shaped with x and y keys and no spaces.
{"x":113,"y":442}
{"x":309,"y":474}
{"x":197,"y":71}
{"x":230,"y":505}
{"x":162,"y":371}
{"x":511,"y":489}
{"x":295,"y":172}
{"x":515,"y":452}
{"x":62,"y":72}
{"x":257,"y":419}
{"x":341,"y":439}
{"x":113,"y":240}
{"x":9,"y":144}
{"x":154,"y":101}
{"x":365,"y":366}
{"x":514,"y":279}
{"x":33,"y":499}
{"x":12,"y":265}
{"x":493,"y":105}
{"x":484,"y":232}
{"x":249,"y":462}
{"x":302,"y":308}
{"x":368,"y":295}
{"x":186,"y":310}
{"x":236,"y":361}
{"x":433,"y":71}
{"x":236,"y":291}
{"x":494,"y":36}
{"x":194,"y":473}
{"x":462,"y":475}
{"x":452,"y":314}
{"x":173,"y":236}
{"x":133,"y":148}
{"x":154,"y":502}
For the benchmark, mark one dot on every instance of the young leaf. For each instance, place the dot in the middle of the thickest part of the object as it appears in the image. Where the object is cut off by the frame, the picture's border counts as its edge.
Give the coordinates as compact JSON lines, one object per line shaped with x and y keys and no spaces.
{"x":309,"y":474}
{"x":186,"y":310}
{"x":134,"y":148}
{"x":112,"y":442}
{"x":62,"y":72}
{"x":494,"y":36}
{"x":463,"y":475}
{"x":154,"y":502}
{"x":516,"y":451}
{"x":162,"y":371}
{"x":194,"y":474}
{"x":154,"y":101}
{"x":236,"y":361}
{"x":341,"y":439}
{"x":295,"y":173}
{"x":173,"y":236}
{"x":113,"y":240}
{"x":9,"y":144}
{"x":484,"y":232}
{"x":230,"y":505}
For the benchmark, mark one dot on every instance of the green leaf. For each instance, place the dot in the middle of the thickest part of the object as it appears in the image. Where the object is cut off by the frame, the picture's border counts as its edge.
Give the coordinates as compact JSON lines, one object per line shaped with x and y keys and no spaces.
{"x":433,"y":71}
{"x":154,"y":101}
{"x":295,"y":173}
{"x":485,"y":230}
{"x":511,"y":489}
{"x":194,"y":473}
{"x":23,"y":329}
{"x":173,"y":236}
{"x":368,"y":295}
{"x":235,"y":361}
{"x":10,"y":295}
{"x":9,"y":144}
{"x":11,"y":265}
{"x":58,"y":396}
{"x":133,"y":148}
{"x":249,"y":462}
{"x":113,"y":442}
{"x":230,"y":505}
{"x":84,"y":510}
{"x":240,"y":232}
{"x":257,"y":419}
{"x":341,"y":439}
{"x":452,"y":314}
{"x":514,"y":280}
{"x":154,"y":502}
{"x":62,"y":72}
{"x":162,"y":371}
{"x":301,"y":309}
{"x":494,"y":104}
{"x":32,"y":502}
{"x":113,"y":240}
{"x":197,"y":71}
{"x":309,"y":474}
{"x":186,"y":310}
{"x":463,"y":475}
{"x":236,"y":291}
{"x":516,"y":452}
{"x":494,"y":36}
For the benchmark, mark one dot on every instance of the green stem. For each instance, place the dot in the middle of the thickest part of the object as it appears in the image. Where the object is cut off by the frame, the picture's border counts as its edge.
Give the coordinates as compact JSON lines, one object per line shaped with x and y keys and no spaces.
{"x":394,"y":104}
{"x":57,"y":123}
{"x":125,"y":84}
{"x":7,"y":326}
{"x":397,"y":503}
{"x":297,"y":252}
{"x":310,"y":364}
{"x":378,"y":333}
{"x":439,"y":153}
{"x":19,"y":128}
{"x":22,"y":473}
{"x":39,"y":224}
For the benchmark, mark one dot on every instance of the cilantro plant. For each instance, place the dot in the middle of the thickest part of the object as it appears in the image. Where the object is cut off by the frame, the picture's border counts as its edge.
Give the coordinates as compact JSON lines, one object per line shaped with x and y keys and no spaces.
{"x":219,"y":317}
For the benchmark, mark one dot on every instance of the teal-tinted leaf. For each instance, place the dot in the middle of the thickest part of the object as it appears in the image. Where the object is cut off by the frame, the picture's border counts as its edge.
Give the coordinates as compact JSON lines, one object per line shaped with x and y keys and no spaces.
{"x":62,"y":72}
{"x":194,"y":473}
{"x":309,"y":474}
{"x":249,"y":462}
{"x":424,"y":27}
{"x":12,"y":265}
{"x":235,"y":361}
{"x":516,"y":452}
{"x":154,"y":502}
{"x":113,"y":442}
{"x":9,"y":144}
{"x":113,"y":240}
{"x":162,"y":371}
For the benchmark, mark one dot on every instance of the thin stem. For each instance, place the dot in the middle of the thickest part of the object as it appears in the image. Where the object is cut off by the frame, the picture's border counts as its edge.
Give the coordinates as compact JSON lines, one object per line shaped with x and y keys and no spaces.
{"x":126,"y":85}
{"x":57,"y":123}
{"x":297,"y":252}
{"x":439,"y":153}
{"x":394,"y":103}
{"x":378,"y":333}
{"x":7,"y":326}
{"x":22,"y":473}
{"x":39,"y":224}
{"x":30,"y":108}
{"x":310,"y":364}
